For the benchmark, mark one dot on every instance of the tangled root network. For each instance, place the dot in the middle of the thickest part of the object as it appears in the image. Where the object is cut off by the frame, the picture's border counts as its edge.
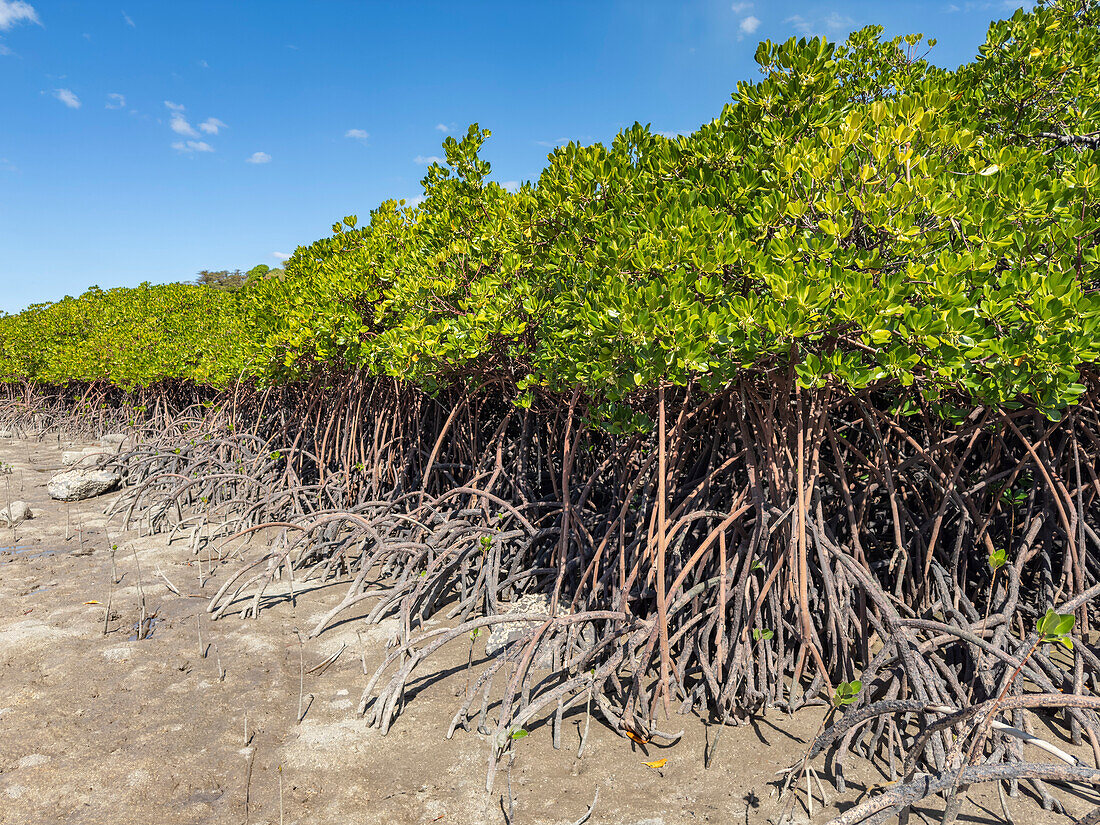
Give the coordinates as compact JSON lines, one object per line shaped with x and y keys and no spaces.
{"x":752,"y":549}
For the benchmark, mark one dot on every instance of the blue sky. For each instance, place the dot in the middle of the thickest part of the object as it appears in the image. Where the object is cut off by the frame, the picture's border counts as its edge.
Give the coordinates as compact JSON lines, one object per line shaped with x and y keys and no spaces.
{"x":149,"y":140}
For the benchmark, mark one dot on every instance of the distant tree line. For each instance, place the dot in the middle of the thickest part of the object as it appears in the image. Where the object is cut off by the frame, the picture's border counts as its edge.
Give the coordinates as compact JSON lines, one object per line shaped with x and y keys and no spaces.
{"x":230,"y":280}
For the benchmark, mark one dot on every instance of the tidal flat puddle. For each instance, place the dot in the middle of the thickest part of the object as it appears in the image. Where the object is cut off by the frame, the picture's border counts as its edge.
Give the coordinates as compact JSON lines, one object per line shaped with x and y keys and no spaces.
{"x":24,"y":551}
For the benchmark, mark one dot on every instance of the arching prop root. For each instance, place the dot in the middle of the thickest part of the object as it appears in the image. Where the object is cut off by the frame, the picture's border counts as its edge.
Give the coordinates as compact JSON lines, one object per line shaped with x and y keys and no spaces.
{"x":755,"y":547}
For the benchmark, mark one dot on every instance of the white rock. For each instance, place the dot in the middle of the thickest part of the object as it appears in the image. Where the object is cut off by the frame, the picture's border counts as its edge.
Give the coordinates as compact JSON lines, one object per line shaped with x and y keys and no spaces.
{"x":75,"y":485}
{"x":505,"y":633}
{"x":82,"y":458}
{"x":115,"y":441}
{"x":14,"y":513}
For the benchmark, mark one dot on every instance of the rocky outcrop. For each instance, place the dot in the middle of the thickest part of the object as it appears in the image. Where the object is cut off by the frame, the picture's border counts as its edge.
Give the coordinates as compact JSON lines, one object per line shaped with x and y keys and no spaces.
{"x":83,"y":458}
{"x":505,"y":633}
{"x":116,"y":442}
{"x":15,"y":513}
{"x":76,"y":485}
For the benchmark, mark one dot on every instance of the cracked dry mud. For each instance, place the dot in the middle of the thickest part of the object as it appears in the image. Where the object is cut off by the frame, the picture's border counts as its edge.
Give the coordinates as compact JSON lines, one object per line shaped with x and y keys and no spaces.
{"x":99,"y":728}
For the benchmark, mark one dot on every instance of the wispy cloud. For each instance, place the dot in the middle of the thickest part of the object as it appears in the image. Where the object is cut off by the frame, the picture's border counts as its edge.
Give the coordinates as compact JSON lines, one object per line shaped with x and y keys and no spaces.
{"x":552,"y":144}
{"x":129,"y":20}
{"x":741,"y":8}
{"x":282,"y":256}
{"x":440,"y":127}
{"x":188,"y":147}
{"x":357,"y":134}
{"x":5,"y":51}
{"x":116,"y":101}
{"x":749,"y":25}
{"x":211,"y":126}
{"x":427,"y":161}
{"x":510,"y":185}
{"x":7,"y":166}
{"x":13,"y":12}
{"x":178,"y":123}
{"x":67,"y":97}
{"x":180,"y":126}
{"x":1003,"y":7}
{"x":830,"y":25}
{"x":976,"y":5}
{"x":258,"y":157}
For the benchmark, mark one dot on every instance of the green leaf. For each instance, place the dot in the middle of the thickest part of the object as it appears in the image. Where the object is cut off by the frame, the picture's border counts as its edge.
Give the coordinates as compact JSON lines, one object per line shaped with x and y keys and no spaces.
{"x":1055,"y":628}
{"x":846,"y":693}
{"x":996,"y":560}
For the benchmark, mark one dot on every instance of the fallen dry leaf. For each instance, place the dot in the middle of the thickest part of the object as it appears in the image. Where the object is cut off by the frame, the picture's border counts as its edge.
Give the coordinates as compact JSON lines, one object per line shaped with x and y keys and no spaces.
{"x":657,"y":763}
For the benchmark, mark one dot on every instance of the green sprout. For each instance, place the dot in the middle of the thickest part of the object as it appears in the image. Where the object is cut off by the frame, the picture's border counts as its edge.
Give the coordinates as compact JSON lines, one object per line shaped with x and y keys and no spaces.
{"x":1054,"y":628}
{"x":997,"y":560}
{"x":846,"y":693}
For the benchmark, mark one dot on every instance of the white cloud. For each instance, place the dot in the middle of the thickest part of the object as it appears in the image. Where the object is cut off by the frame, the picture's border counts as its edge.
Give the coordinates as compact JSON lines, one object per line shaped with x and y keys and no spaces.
{"x":211,"y":126}
{"x":419,"y":199}
{"x":357,"y":134}
{"x":801,"y":24}
{"x":190,"y":146}
{"x":16,"y":11}
{"x":129,"y":22}
{"x":4,"y":50}
{"x":510,"y":185}
{"x":178,"y":122}
{"x":738,"y":8}
{"x":67,"y":97}
{"x":203,"y":64}
{"x":427,"y":161}
{"x":180,"y":126}
{"x":831,"y":25}
{"x":116,"y":101}
{"x":441,"y":128}
{"x":282,"y":256}
{"x":749,"y":25}
{"x":259,"y":157}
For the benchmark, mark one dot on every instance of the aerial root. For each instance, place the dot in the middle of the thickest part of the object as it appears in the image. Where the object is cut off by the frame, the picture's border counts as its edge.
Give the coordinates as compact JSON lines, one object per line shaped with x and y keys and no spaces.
{"x":807,"y":540}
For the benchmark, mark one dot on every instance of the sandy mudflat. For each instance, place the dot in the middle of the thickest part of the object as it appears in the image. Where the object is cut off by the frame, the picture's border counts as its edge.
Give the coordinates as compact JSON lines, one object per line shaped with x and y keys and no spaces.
{"x":102,"y":728}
